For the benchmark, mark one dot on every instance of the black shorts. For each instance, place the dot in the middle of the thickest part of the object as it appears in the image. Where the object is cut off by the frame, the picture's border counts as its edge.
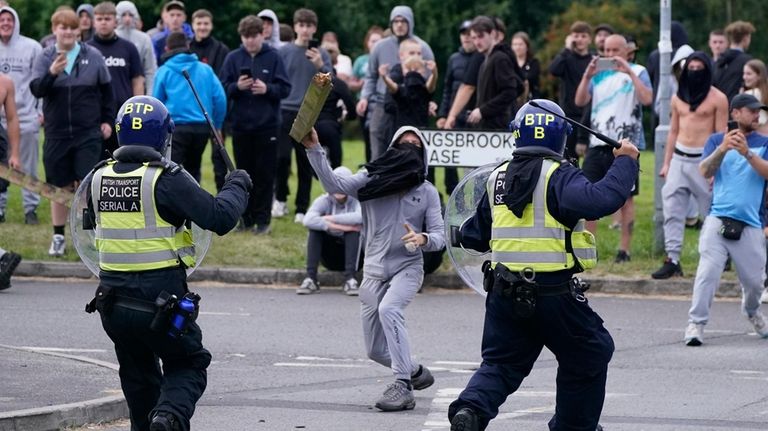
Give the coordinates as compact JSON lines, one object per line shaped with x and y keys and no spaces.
{"x":69,"y":160}
{"x":597,"y":162}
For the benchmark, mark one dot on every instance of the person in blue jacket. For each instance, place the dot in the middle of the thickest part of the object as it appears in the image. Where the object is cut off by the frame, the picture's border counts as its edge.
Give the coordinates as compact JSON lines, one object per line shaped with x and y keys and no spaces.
{"x":192,"y":131}
{"x":531,"y":219}
{"x":255,"y":80}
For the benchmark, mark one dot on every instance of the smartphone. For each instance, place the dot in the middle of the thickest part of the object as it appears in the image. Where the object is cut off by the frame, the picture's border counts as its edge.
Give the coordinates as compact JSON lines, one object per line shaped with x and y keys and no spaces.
{"x":245,"y":71}
{"x":314,"y":43}
{"x":732,"y":125}
{"x":605,"y":64}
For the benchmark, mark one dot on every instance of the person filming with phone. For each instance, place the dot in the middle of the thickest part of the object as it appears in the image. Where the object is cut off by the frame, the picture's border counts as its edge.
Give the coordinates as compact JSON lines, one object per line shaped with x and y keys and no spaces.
{"x":616,"y":113}
{"x":255,"y":80}
{"x":734,"y":227}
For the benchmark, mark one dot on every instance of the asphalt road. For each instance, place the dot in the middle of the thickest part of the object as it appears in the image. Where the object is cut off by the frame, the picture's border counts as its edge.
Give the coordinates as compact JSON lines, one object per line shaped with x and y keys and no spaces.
{"x":285,"y":362}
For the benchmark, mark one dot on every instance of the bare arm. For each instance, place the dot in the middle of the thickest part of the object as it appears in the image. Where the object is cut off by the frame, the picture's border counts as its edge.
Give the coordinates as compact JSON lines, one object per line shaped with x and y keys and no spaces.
{"x":709,"y":166}
{"x":137,"y":84}
{"x":12,"y":120}
{"x":721,"y":111}
{"x":432,"y":80}
{"x":674,"y":129}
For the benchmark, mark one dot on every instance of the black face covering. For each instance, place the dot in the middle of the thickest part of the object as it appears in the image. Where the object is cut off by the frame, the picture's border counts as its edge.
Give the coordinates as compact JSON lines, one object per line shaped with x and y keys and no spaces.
{"x":399,"y":169}
{"x":695,"y":84}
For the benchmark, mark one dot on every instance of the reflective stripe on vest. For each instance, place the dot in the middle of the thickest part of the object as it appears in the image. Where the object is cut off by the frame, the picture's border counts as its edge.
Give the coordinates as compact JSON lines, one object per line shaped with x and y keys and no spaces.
{"x":130,"y":234}
{"x":536,"y":240}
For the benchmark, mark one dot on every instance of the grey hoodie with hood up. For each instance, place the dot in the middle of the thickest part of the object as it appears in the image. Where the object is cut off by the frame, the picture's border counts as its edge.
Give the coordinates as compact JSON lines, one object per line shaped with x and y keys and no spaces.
{"x":387,"y":51}
{"x":384,"y":217}
{"x":274,"y":39}
{"x":17,"y":58}
{"x":142,"y":41}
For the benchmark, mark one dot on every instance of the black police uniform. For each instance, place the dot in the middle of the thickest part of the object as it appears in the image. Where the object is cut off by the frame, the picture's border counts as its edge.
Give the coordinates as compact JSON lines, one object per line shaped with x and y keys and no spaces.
{"x":562,"y":322}
{"x":183,"y":379}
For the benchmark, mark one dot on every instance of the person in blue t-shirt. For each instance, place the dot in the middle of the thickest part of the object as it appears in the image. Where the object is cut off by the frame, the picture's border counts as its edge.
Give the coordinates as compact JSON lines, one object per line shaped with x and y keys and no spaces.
{"x":738,"y":161}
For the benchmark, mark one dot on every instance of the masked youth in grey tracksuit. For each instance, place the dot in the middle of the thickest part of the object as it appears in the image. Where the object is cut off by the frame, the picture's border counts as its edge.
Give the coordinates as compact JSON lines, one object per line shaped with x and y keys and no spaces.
{"x":392,"y":275}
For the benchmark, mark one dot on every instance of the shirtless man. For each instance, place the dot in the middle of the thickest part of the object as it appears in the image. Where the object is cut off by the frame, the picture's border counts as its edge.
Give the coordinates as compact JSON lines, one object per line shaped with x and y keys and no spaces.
{"x":698,"y":110}
{"x":9,"y":150}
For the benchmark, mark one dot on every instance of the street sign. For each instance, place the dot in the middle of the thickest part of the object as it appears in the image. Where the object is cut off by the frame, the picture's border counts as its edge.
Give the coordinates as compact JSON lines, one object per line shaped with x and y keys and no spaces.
{"x":468,"y":148}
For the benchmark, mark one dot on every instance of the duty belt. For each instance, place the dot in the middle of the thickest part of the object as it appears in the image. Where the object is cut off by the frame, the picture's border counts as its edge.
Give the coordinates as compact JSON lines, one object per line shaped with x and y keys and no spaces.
{"x":135,"y":304}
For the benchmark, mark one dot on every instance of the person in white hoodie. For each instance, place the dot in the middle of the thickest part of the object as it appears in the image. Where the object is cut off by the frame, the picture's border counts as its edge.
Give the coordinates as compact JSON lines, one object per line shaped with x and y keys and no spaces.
{"x":127,"y":17}
{"x":271,"y":28}
{"x":17,"y":55}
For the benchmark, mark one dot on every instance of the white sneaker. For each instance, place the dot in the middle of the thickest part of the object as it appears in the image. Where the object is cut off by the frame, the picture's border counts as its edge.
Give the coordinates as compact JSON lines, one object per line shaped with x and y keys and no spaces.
{"x":308,"y":286}
{"x":279,"y":209}
{"x":758,"y":321}
{"x":58,"y":245}
{"x":299,"y":218}
{"x":764,"y":296}
{"x":694,"y":334}
{"x":351,"y":287}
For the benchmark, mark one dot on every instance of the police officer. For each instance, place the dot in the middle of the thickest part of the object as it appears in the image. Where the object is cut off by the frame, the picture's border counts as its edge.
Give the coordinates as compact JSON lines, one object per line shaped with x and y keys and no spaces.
{"x":140,"y":202}
{"x":532,"y":221}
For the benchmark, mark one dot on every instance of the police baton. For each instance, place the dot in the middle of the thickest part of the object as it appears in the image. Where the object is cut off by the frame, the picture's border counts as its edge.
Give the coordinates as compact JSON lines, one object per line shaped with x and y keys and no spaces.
{"x":219,"y":145}
{"x":612,"y":142}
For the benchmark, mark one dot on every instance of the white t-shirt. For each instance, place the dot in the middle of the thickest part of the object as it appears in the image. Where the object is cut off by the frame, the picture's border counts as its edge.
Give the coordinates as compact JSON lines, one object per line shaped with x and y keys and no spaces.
{"x":616,"y":110}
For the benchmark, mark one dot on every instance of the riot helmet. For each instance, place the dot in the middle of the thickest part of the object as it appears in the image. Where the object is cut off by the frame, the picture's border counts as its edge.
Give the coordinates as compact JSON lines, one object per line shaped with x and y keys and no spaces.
{"x":534,"y":126}
{"x":144,"y":120}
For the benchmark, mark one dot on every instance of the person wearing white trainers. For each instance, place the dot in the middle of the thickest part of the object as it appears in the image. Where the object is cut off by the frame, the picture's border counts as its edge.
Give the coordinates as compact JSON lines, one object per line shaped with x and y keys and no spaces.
{"x":738,"y":161}
{"x":395,"y":200}
{"x":333,"y":222}
{"x":279,"y":209}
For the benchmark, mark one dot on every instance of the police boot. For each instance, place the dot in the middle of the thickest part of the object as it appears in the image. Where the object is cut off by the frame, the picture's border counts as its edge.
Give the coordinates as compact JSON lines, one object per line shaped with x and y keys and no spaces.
{"x":465,"y":420}
{"x":164,"y":421}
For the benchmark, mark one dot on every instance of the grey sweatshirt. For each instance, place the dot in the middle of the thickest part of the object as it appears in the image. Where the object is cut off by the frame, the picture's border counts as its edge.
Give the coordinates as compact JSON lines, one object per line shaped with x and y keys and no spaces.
{"x":142,"y":41}
{"x":300,"y":73}
{"x":387,"y":51}
{"x":348,"y":213}
{"x":384,"y":217}
{"x":17,"y":59}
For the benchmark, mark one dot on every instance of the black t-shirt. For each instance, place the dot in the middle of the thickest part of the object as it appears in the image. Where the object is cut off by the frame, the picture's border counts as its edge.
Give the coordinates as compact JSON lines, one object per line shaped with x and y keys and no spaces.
{"x":472,"y":75}
{"x":124,"y":64}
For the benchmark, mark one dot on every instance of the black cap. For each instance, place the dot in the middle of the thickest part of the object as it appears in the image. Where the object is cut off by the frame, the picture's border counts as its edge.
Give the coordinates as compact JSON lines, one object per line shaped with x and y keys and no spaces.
{"x":747,"y":101}
{"x":464,"y":26}
{"x":606,"y":27}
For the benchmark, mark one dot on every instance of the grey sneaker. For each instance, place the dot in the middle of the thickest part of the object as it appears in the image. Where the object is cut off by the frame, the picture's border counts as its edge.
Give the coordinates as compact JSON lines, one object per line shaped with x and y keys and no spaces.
{"x":758,"y":321}
{"x":465,"y":420}
{"x":397,"y":397}
{"x":58,"y":245}
{"x":30,"y":218}
{"x":307,"y":287}
{"x":424,"y":380}
{"x":351,"y":288}
{"x":694,"y":334}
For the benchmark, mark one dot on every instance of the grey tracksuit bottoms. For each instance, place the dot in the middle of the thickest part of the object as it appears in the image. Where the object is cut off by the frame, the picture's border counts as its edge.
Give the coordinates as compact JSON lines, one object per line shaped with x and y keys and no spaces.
{"x":383,"y":304}
{"x":683,"y":182}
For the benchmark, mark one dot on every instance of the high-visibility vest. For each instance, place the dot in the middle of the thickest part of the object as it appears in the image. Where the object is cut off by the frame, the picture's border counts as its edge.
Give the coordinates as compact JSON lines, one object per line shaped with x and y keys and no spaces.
{"x":536,"y":240}
{"x":130,"y":234}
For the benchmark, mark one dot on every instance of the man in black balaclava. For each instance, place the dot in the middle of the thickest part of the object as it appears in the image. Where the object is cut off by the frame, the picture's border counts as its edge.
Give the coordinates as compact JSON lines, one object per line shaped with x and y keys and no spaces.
{"x":698,"y":110}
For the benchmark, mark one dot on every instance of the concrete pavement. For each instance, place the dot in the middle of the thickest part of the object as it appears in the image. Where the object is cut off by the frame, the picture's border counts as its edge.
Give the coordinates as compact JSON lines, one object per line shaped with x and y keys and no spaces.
{"x":33,"y":402}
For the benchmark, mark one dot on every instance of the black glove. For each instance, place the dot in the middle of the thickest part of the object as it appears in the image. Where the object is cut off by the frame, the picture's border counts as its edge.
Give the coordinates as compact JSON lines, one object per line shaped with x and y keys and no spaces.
{"x":241,"y":177}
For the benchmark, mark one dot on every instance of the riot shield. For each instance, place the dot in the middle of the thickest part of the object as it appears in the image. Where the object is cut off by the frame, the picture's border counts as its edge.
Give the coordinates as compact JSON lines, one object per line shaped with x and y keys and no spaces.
{"x":84,"y":237}
{"x":461,"y":206}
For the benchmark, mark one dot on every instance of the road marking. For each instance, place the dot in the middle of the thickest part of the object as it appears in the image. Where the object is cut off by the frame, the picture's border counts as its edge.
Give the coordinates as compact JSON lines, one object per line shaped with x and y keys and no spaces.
{"x":62,"y":350}
{"x":315,"y":365}
{"x":222,"y":313}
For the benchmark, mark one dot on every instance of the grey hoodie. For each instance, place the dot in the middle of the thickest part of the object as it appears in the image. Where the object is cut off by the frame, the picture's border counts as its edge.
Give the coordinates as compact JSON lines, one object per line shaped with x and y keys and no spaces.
{"x":387,"y":51}
{"x":142,"y":41}
{"x":274,"y":40}
{"x":16,"y":60}
{"x":384,"y":217}
{"x":347,"y":213}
